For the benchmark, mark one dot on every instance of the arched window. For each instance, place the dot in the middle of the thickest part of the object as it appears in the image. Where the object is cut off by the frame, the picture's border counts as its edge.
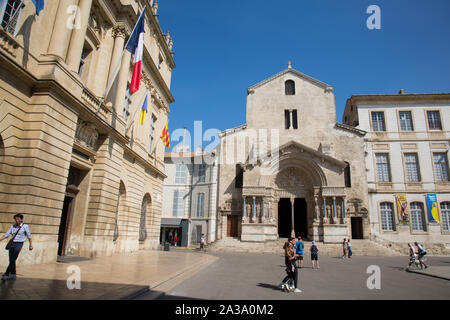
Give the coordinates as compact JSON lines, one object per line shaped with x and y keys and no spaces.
{"x":387,"y":216}
{"x":289,"y":87}
{"x":145,"y":208}
{"x":445,"y":215}
{"x":417,"y":216}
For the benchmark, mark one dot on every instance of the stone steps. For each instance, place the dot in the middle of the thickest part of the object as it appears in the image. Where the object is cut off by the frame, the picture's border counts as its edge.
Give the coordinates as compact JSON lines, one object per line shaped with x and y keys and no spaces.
{"x":359,"y":247}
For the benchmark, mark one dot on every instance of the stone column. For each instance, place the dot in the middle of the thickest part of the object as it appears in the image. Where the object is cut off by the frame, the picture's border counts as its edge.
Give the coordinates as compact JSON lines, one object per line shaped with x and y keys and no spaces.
{"x":119,"y":34}
{"x":263,"y":218}
{"x":344,"y":213}
{"x":325,"y":218}
{"x":316,"y":209}
{"x":59,"y":41}
{"x":254,"y":210}
{"x":334,"y":209}
{"x":122,"y":82}
{"x":292,"y":216}
{"x":244,"y":207}
{"x":78,"y":35}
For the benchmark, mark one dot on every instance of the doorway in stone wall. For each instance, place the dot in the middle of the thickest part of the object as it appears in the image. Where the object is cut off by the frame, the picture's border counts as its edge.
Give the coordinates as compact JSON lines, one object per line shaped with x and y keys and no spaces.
{"x":67,"y":213}
{"x":357,"y":228}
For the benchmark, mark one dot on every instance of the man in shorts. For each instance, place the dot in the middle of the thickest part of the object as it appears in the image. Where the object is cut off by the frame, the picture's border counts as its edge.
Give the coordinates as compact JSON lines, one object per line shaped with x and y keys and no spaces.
{"x":299,"y":246}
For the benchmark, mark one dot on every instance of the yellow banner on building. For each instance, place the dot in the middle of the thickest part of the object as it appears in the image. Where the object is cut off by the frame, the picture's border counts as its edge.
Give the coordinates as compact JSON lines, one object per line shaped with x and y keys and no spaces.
{"x":402,"y":207}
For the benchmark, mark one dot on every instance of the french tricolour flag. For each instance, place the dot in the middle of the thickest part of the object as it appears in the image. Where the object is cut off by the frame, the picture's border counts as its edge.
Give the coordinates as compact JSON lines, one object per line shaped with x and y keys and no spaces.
{"x":136,"y":46}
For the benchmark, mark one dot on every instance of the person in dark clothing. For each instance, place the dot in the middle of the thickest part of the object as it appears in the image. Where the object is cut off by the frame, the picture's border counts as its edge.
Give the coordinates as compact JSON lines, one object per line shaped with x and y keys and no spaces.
{"x":290,"y":282}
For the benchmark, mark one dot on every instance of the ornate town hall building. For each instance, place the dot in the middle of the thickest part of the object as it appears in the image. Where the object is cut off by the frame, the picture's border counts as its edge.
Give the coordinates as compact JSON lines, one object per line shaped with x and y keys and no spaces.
{"x":292,"y":169}
{"x":86,"y":175}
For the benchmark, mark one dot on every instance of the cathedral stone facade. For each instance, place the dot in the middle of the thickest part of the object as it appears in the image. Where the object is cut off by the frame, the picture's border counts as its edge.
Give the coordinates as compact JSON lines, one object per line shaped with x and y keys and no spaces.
{"x":292,"y":169}
{"x":85,"y":174}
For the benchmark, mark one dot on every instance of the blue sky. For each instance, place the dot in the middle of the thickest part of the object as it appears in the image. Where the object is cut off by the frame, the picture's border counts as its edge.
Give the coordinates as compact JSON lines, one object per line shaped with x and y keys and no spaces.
{"x":224,"y":47}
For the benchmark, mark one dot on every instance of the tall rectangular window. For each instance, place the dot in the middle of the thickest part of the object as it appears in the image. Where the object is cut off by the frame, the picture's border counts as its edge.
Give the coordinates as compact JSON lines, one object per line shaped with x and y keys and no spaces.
{"x":200,"y":205}
{"x":10,"y":11}
{"x":151,"y":134}
{"x":412,"y":167}
{"x":347,"y":176}
{"x":126,"y":105}
{"x":180,"y":174}
{"x":417,"y":216}
{"x":294,"y":119}
{"x":406,"y":123}
{"x":202,"y":173}
{"x":239,"y":180}
{"x":178,"y":203}
{"x":441,"y":166}
{"x":387,"y":216}
{"x":445,"y":215}
{"x":383,"y":168}
{"x":84,"y":56}
{"x":434,"y":120}
{"x":378,"y":121}
{"x":287,"y":119}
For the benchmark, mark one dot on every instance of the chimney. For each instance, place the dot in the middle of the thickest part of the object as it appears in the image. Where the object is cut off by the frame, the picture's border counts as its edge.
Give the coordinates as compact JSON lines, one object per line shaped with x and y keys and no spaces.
{"x":401,"y":91}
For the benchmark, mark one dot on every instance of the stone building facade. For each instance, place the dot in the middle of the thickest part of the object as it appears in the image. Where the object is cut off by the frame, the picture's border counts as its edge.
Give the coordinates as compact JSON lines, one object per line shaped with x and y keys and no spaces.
{"x":407,"y":157}
{"x":88,"y":179}
{"x":292,"y":169}
{"x":190,"y":197}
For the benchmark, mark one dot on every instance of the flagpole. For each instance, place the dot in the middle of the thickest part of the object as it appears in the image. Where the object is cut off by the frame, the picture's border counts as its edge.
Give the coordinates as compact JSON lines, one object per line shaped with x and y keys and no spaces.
{"x":114,"y":74}
{"x":139,"y":106}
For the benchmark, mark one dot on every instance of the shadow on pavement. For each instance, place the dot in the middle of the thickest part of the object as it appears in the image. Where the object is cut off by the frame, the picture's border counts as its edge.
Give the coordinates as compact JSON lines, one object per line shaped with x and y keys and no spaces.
{"x":269,"y":286}
{"x":169,"y":297}
{"x":45,"y":289}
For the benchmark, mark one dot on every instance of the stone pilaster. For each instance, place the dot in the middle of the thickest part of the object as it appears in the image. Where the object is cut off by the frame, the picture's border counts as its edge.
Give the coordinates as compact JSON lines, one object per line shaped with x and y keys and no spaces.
{"x":78,"y":35}
{"x":59,"y":41}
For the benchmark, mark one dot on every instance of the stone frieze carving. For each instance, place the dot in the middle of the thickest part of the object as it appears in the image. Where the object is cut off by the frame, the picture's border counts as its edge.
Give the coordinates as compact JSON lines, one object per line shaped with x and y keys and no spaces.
{"x":87,"y":133}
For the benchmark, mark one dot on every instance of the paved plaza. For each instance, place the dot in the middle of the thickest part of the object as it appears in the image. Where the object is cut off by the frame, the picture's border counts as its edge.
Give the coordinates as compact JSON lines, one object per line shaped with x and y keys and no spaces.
{"x":121,"y":276}
{"x":246,"y":276}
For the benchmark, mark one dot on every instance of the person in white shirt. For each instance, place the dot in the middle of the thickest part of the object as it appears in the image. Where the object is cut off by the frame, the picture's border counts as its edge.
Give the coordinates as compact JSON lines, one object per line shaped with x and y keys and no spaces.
{"x":19,"y":232}
{"x":412,"y":255}
{"x":421,"y":252}
{"x":202,"y":242}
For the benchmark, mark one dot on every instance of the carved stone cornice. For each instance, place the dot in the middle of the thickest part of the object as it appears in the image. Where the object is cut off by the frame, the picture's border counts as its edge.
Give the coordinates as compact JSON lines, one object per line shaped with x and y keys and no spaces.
{"x":156,"y":97}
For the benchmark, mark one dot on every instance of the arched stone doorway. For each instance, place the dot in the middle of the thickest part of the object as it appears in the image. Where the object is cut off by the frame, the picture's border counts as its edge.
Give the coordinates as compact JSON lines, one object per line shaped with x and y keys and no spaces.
{"x":294,"y":190}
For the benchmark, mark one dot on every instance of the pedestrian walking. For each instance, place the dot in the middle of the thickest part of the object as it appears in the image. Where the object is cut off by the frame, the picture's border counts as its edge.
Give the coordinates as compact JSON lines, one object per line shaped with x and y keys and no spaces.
{"x":175,"y":239}
{"x":412,"y":256}
{"x":349,"y":249}
{"x":170,"y":238}
{"x":299,"y":246}
{"x":202,"y":242}
{"x":19,"y":232}
{"x":344,"y":248}
{"x":290,"y":282}
{"x":314,"y":255}
{"x":421,"y":252}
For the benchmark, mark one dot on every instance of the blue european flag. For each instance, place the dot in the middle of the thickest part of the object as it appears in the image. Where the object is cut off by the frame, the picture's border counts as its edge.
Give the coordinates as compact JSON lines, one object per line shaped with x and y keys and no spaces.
{"x":39,"y":4}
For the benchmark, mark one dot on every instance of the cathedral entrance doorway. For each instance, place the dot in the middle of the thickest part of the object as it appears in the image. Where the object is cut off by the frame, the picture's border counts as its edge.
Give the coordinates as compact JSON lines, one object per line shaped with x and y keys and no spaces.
{"x":285,"y":218}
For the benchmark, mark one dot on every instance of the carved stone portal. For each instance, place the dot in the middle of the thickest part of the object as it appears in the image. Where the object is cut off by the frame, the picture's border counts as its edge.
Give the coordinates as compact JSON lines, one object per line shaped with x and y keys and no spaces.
{"x":289,"y":179}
